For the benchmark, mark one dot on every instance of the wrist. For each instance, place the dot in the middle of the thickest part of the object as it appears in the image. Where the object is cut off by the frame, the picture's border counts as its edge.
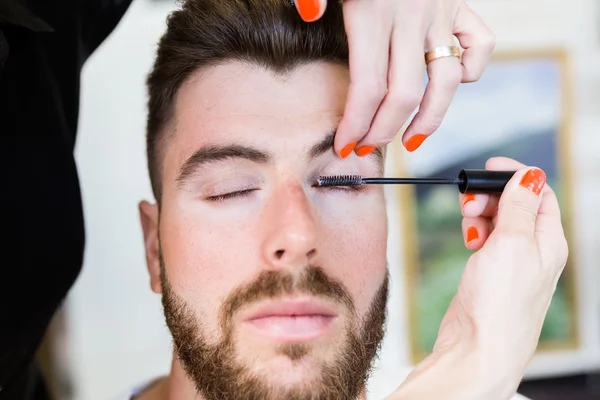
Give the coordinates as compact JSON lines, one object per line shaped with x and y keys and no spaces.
{"x":458,"y":375}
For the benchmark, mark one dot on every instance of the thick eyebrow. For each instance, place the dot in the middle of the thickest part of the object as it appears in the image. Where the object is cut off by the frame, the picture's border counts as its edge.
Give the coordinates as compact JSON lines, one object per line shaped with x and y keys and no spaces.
{"x":322,"y":147}
{"x":210,"y":154}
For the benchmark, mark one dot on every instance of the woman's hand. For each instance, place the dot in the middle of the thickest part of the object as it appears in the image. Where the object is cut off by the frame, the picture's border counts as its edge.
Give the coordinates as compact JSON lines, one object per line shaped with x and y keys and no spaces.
{"x":387,"y":41}
{"x":508,"y":283}
{"x":491,"y":329}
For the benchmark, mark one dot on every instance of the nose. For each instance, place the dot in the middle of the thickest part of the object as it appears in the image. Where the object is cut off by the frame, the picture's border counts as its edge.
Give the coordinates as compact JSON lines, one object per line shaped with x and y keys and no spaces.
{"x":291,"y":232}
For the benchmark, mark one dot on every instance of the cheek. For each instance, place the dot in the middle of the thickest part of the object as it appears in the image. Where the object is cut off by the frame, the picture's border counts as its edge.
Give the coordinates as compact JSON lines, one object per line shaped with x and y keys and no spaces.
{"x":358,"y":246}
{"x":357,"y":220}
{"x":205,"y":260}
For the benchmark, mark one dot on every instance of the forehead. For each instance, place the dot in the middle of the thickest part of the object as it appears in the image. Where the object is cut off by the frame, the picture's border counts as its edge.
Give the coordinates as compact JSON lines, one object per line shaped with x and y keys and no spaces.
{"x":250,"y":104}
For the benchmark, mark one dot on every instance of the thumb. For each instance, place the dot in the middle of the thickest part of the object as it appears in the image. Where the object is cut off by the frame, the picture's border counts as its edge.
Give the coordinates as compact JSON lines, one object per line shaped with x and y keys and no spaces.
{"x":520,"y":202}
{"x":310,"y":10}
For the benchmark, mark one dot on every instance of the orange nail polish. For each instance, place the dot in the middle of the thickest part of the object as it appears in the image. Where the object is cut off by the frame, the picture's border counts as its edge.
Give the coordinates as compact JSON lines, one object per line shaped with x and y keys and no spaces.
{"x":308,"y":9}
{"x":534,"y":180}
{"x":469,"y":197}
{"x":415,"y":142}
{"x":472,"y":234}
{"x":345,"y":152}
{"x":364,"y":150}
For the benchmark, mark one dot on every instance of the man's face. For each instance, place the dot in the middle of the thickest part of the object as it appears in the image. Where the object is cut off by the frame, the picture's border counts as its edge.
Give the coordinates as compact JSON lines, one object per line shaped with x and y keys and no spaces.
{"x":272,"y":288}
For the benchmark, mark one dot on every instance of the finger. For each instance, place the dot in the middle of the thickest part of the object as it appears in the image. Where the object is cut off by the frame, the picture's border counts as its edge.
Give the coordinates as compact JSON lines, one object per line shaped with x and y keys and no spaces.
{"x":549,"y":216}
{"x":519,"y":204}
{"x":549,"y":231}
{"x":405,"y":84}
{"x":310,"y":10}
{"x":508,"y":164}
{"x":503,"y":164}
{"x":475,"y":232}
{"x":474,"y":205}
{"x":482,"y":204}
{"x":485,"y":205}
{"x":490,"y":209}
{"x":368,"y":42}
{"x":478,"y":41}
{"x":444,"y":78}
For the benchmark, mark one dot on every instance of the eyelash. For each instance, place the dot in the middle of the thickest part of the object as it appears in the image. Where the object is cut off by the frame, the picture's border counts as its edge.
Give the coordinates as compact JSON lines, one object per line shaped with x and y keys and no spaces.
{"x":242,"y":193}
{"x":227,"y":196}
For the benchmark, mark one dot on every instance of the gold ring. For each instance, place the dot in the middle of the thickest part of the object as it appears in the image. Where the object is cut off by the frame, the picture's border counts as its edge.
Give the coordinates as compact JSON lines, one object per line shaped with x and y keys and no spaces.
{"x":442,"y":51}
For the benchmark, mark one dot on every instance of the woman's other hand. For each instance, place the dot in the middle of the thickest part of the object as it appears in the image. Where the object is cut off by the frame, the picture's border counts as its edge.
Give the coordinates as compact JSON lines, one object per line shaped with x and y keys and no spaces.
{"x":387,"y":40}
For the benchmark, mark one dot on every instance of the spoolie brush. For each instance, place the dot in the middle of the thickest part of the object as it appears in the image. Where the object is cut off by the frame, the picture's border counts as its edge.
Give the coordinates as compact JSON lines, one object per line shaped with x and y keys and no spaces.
{"x":469,"y":180}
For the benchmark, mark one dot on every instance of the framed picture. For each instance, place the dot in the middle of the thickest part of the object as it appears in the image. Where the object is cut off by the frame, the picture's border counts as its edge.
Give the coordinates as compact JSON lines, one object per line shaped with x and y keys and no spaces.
{"x":520,"y":108}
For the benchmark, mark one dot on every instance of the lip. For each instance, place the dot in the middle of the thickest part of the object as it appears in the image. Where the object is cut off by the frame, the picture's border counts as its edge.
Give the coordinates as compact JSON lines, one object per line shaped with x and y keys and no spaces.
{"x":289,"y":308}
{"x":297,"y":320}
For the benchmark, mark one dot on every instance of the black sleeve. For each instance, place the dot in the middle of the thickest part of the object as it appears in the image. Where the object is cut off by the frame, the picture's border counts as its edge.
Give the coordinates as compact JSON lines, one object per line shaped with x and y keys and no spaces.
{"x":100,"y":17}
{"x":90,"y":21}
{"x":45,"y":45}
{"x":79,"y":27}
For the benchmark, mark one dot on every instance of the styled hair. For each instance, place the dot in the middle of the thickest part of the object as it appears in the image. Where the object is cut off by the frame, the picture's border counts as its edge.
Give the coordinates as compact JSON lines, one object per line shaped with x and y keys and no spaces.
{"x":204,"y":33}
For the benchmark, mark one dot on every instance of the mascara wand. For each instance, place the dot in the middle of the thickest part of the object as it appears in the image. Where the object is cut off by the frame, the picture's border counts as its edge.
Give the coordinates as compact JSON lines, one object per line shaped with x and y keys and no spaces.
{"x":469,"y":180}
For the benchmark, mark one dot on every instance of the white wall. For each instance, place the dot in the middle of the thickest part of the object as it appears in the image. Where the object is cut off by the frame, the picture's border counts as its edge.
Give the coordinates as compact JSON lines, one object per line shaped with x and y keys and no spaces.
{"x":117,"y":334}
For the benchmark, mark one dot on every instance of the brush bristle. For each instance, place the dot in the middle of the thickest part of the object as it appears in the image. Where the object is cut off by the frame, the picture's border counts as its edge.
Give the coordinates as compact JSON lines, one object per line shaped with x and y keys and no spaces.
{"x":340,"y":180}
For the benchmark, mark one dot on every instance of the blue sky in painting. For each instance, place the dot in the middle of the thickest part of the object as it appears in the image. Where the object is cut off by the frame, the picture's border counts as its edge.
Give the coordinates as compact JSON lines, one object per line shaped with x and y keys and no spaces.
{"x":514,"y":97}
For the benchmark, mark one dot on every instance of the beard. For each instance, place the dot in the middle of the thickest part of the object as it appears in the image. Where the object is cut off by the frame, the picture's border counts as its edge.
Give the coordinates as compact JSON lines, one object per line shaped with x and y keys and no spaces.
{"x":218,"y":375}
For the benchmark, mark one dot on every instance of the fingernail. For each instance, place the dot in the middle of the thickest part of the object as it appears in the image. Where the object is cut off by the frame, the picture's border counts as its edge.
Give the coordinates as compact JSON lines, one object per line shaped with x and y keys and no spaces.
{"x":415,"y":142}
{"x":472,"y":234}
{"x":345,"y":152}
{"x":534,"y":180}
{"x":469,"y":197}
{"x":309,"y":9}
{"x":364,"y":150}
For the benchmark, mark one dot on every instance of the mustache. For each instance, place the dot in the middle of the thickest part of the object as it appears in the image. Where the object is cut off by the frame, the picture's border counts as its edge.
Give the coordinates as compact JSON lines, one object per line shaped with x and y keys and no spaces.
{"x":272,"y":284}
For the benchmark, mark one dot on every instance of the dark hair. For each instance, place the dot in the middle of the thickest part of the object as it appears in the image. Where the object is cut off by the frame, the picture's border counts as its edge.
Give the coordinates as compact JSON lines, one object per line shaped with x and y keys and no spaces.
{"x":267,"y":33}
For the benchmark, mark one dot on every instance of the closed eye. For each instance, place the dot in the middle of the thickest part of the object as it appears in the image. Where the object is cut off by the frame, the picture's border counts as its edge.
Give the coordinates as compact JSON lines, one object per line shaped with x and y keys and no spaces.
{"x":232,"y":195}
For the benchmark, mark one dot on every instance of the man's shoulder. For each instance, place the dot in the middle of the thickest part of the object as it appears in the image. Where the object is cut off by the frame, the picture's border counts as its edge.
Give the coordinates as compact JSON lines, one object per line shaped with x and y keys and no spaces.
{"x":135,"y":391}
{"x":151,"y":389}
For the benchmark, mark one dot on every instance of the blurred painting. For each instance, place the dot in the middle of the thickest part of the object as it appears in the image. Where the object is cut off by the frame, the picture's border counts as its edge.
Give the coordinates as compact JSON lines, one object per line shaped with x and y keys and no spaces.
{"x":519,"y":109}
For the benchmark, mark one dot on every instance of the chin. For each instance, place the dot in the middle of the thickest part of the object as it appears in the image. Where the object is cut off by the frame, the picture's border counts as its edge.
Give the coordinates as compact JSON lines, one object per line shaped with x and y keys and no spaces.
{"x":285,"y":372}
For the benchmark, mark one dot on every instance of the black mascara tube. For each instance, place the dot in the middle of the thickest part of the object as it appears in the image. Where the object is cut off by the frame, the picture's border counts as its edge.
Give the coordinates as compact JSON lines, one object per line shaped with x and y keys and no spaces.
{"x":483,"y":181}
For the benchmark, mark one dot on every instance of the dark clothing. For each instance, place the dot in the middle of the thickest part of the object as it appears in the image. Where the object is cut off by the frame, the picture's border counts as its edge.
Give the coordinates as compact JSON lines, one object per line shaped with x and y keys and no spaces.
{"x":43,"y":46}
